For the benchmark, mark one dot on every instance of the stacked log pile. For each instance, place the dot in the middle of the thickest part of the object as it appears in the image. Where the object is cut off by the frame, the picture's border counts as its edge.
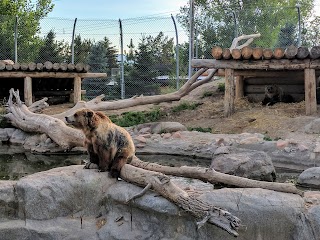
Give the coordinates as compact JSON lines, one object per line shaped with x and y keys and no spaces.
{"x":44,"y":67}
{"x":247,"y":52}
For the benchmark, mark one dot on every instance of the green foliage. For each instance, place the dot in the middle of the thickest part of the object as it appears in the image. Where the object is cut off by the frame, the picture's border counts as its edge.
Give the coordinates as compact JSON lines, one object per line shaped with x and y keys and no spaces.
{"x":267,"y":138}
{"x":185,"y":106}
{"x":207,"y":94}
{"x":200,"y":129}
{"x":50,"y":49}
{"x":221,"y":87}
{"x":218,"y":22}
{"x":29,"y":14}
{"x":133,"y":118}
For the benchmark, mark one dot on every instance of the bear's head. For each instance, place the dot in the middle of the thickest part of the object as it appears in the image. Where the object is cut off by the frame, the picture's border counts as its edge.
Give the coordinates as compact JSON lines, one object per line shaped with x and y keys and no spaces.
{"x":86,"y":119}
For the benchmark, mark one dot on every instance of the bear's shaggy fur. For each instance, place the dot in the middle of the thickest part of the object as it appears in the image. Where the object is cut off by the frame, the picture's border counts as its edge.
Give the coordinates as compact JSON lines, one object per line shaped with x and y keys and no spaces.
{"x":108,"y":145}
{"x":275,"y":94}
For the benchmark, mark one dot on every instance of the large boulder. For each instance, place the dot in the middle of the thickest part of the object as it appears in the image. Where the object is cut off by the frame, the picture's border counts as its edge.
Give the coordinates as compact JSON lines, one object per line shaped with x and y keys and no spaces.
{"x":310,"y":177}
{"x":244,"y":163}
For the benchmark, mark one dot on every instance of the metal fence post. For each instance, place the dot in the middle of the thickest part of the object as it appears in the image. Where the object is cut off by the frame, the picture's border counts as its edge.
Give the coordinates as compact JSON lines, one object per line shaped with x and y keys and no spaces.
{"x":299,"y":24}
{"x":72,"y":41}
{"x":191,"y":37}
{"x":235,"y":24}
{"x":16,"y":40}
{"x":177,"y":52}
{"x":122,"y":63}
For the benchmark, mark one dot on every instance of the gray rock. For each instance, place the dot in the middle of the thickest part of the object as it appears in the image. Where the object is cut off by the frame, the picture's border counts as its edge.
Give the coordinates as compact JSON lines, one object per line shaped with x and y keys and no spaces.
{"x":72,"y":203}
{"x":250,"y":164}
{"x":310,"y":177}
{"x":313,"y":127}
{"x":61,"y":192}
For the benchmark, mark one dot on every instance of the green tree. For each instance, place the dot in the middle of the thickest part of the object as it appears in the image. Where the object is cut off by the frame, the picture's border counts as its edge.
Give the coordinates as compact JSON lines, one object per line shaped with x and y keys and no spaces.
{"x":50,"y":49}
{"x":220,"y":21}
{"x":287,"y":36}
{"x":82,"y":49}
{"x":311,"y":33}
{"x":111,"y":55}
{"x":130,"y":55}
{"x":29,"y":14}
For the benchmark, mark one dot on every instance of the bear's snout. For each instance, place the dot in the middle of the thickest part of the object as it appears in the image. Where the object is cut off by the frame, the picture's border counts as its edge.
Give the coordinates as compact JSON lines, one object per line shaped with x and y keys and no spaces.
{"x":69,"y":119}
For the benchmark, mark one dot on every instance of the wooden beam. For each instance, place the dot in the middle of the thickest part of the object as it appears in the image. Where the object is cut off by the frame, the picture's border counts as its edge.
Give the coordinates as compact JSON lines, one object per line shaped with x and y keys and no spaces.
{"x":77,"y":90}
{"x":274,"y":64}
{"x":229,"y":93}
{"x":239,"y":87}
{"x":28,"y":91}
{"x":21,"y":74}
{"x":310,"y":91}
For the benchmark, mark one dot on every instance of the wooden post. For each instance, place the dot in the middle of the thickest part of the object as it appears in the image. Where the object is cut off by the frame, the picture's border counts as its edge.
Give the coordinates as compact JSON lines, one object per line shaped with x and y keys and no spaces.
{"x":310,"y":91}
{"x":239,"y":87}
{"x":229,"y":93}
{"x":76,"y":89}
{"x":28,"y":91}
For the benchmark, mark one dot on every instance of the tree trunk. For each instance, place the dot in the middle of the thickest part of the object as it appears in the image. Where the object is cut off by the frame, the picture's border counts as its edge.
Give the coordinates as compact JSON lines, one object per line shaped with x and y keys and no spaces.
{"x":212,"y":176}
{"x":98,"y":104}
{"x":190,"y":203}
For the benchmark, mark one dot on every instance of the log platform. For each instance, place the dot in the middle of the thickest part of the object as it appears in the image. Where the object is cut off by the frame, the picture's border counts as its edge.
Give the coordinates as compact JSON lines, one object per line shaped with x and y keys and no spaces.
{"x":295,"y":68}
{"x":48,"y":78}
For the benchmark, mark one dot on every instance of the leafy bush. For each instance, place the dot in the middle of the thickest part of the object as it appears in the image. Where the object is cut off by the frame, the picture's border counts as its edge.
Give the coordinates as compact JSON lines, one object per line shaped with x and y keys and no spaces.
{"x":185,"y":106}
{"x":134,"y":118}
{"x":200,"y":129}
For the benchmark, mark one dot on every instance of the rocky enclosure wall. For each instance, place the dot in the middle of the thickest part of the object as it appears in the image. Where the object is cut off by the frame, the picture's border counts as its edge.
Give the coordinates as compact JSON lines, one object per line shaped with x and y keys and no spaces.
{"x":75,"y":203}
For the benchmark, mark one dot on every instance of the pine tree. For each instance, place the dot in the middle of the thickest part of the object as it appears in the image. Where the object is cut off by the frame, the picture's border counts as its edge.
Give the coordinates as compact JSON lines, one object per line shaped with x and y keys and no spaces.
{"x":50,"y":50}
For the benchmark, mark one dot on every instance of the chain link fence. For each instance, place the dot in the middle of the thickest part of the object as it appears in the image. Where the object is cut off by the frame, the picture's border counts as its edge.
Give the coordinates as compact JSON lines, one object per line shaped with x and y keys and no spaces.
{"x":144,"y":55}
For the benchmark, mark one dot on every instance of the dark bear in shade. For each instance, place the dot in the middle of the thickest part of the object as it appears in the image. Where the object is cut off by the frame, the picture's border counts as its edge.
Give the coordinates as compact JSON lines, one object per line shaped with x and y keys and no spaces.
{"x":108,"y":145}
{"x":275,"y":94}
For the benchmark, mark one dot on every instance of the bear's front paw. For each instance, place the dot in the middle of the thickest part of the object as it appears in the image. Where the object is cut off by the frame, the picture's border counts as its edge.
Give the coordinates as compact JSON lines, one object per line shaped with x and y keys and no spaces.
{"x":90,"y":165}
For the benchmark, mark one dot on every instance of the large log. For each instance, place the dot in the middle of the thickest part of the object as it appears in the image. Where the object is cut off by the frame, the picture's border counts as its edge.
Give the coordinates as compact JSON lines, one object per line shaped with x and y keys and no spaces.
{"x":278,"y":53}
{"x":267,"y":53}
{"x":9,"y":67}
{"x":98,"y":104}
{"x":48,"y":66}
{"x":315,"y":52}
{"x":2,"y":66}
{"x":161,"y":183}
{"x":274,"y":64}
{"x":246,"y":52}
{"x":216,"y":52}
{"x":226,"y":53}
{"x":21,"y":117}
{"x":16,"y":66}
{"x":257,"y":53}
{"x":303,"y":52}
{"x":291,"y":52}
{"x":32,"y":66}
{"x":214,"y":177}
{"x":236,"y":54}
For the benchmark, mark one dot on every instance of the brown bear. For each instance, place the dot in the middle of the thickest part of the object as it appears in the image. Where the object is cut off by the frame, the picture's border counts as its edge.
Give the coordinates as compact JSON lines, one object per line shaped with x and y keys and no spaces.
{"x":274,"y":94}
{"x":108,"y":145}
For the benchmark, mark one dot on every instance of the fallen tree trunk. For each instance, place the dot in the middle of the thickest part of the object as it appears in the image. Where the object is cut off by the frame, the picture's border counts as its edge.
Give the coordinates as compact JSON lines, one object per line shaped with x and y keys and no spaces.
{"x":212,"y":176}
{"x":21,"y":117}
{"x":190,"y":203}
{"x":97,"y":104}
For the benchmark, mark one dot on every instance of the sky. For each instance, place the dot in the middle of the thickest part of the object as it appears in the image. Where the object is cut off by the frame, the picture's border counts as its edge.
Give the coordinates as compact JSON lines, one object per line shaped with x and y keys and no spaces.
{"x":110,"y":9}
